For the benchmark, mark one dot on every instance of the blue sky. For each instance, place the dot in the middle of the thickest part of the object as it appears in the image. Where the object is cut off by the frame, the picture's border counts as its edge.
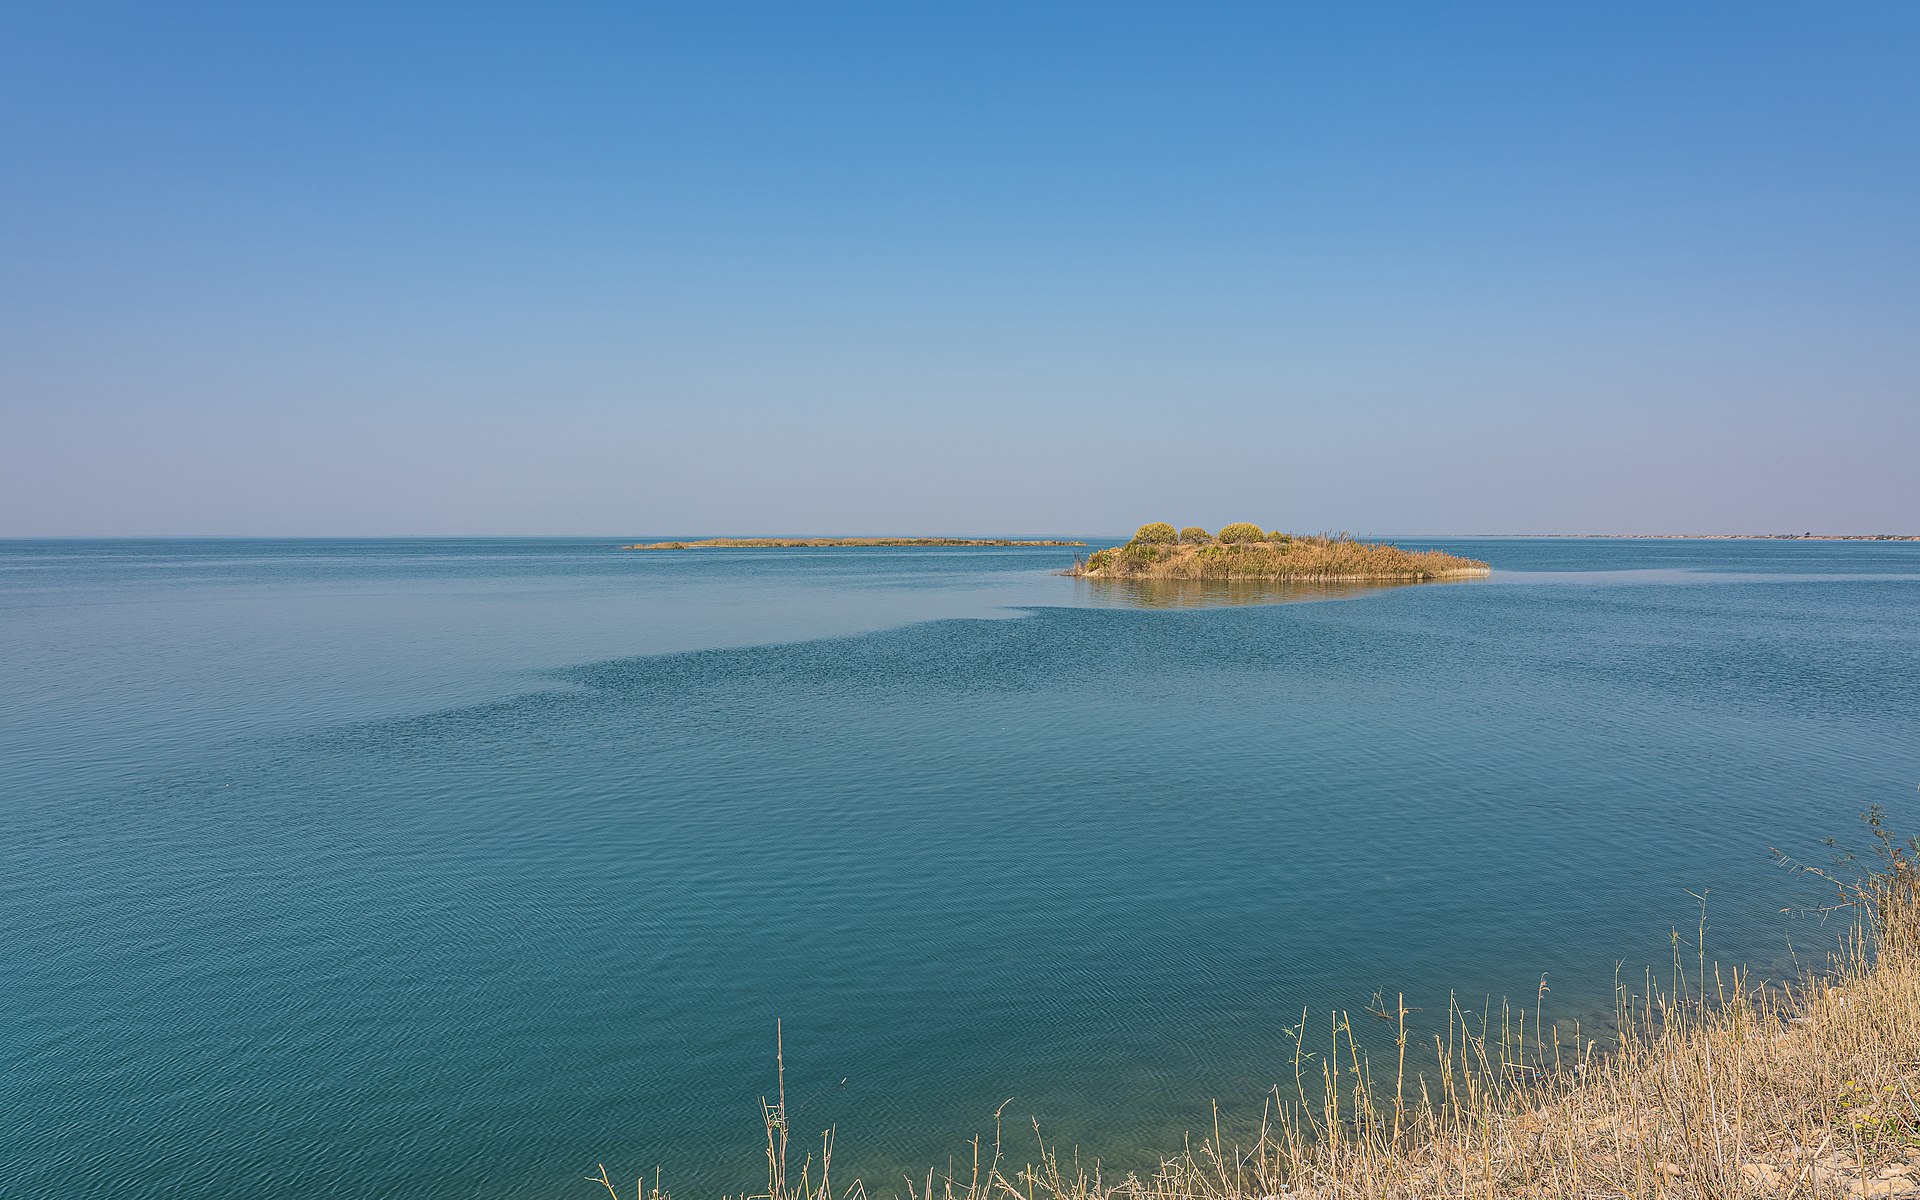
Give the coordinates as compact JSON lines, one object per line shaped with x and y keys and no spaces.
{"x":369,"y":269}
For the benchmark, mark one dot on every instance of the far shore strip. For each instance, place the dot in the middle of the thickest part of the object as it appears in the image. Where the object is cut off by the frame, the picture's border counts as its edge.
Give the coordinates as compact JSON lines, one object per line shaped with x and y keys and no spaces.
{"x":792,"y":543}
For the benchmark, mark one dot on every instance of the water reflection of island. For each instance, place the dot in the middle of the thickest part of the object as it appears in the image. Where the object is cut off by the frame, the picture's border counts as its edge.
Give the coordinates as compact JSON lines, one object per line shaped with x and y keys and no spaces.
{"x":1215,"y":593}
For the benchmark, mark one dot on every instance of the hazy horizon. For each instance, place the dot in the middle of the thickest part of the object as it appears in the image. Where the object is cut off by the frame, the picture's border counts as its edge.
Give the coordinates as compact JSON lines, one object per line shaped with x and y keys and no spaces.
{"x":496,"y":271}
{"x":1011,"y":534}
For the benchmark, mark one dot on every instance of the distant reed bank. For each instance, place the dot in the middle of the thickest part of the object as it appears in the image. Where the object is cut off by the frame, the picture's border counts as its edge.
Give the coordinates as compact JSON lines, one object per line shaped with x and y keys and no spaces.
{"x":778,"y":543}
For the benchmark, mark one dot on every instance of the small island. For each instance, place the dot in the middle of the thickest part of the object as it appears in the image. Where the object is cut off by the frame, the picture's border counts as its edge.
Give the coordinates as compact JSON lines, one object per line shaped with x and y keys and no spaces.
{"x":1246,"y":551}
{"x":777,"y":543}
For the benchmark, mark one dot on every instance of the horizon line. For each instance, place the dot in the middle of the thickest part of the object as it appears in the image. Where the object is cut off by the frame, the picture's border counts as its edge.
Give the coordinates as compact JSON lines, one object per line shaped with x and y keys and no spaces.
{"x":1775,"y":535}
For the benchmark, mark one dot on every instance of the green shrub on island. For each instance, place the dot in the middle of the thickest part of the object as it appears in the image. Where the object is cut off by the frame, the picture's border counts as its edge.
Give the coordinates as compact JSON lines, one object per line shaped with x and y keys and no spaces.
{"x":1193,"y":535}
{"x":1274,"y":535}
{"x":1156,"y":533}
{"x":1242,"y":531}
{"x":1100,"y":560}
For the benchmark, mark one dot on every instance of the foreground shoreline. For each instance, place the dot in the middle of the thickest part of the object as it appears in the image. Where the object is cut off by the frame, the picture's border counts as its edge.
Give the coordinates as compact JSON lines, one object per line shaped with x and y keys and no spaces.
{"x":1715,"y":1086}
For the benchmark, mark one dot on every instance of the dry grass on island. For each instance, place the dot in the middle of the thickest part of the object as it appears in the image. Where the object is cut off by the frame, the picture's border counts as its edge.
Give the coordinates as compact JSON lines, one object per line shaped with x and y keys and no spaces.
{"x":1712,"y":1087}
{"x":1245,"y":551}
{"x":778,"y":543}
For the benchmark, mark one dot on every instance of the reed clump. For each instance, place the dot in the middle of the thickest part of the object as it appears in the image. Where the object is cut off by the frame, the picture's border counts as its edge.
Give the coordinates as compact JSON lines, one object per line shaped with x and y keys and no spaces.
{"x":1245,"y":551}
{"x":1710,"y":1085}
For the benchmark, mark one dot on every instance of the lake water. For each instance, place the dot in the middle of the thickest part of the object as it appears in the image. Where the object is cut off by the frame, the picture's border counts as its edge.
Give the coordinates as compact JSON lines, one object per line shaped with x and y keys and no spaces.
{"x":451,"y":868}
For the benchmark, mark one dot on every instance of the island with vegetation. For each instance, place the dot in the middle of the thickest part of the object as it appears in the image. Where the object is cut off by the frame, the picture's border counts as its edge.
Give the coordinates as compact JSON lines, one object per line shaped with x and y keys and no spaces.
{"x":780,"y":543}
{"x":1246,"y":551}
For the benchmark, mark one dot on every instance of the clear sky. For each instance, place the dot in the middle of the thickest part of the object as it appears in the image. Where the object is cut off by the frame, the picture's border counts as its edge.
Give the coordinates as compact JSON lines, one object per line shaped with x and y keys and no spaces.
{"x":623,"y":269}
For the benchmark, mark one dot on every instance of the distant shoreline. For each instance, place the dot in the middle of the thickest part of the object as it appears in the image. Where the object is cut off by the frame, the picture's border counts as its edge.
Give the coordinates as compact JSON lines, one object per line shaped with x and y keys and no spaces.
{"x":1741,"y":537}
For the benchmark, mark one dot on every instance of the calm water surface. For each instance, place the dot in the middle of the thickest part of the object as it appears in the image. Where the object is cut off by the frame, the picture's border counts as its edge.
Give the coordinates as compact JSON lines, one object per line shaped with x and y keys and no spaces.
{"x":451,"y":868}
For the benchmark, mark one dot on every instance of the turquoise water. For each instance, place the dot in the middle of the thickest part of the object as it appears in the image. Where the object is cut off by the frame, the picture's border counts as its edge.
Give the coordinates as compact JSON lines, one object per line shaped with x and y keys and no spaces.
{"x":451,"y":868}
